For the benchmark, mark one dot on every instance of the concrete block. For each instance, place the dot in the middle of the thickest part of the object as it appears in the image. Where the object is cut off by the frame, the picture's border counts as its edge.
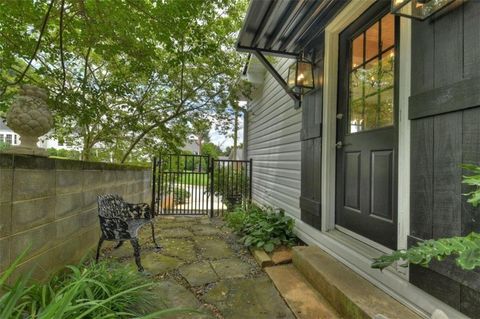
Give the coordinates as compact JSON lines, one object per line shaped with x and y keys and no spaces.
{"x":5,"y":219}
{"x":109,"y":177}
{"x":39,"y":239}
{"x":32,"y":183}
{"x":30,"y":213}
{"x":92,"y":179}
{"x":55,"y":259}
{"x":69,"y":181}
{"x":6,"y":183}
{"x":4,"y":253}
{"x":68,"y":204}
{"x":73,"y":225}
{"x":90,"y":197}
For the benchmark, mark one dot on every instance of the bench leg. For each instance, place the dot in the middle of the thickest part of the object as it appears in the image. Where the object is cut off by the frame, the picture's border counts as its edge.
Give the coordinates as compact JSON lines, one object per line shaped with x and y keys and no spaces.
{"x":119,"y":244}
{"x":136,"y":253}
{"x":100,"y":242}
{"x":153,"y":237}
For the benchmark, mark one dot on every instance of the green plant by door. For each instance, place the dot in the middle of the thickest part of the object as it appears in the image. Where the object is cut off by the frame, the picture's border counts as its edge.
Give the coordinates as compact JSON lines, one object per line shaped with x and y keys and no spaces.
{"x":465,"y":250}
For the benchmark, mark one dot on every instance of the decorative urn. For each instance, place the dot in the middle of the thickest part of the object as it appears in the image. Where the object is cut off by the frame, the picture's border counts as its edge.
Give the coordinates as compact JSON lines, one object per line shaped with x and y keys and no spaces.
{"x":30,"y":117}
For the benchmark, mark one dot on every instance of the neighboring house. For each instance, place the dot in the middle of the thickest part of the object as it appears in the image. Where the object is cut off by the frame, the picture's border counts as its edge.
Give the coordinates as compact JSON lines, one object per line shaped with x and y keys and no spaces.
{"x":8,"y":136}
{"x":191,"y":145}
{"x":370,"y":161}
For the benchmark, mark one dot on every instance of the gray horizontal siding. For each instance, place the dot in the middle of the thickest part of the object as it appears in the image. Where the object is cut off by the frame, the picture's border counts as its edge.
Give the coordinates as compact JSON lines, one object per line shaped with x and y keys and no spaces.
{"x":273,"y":133}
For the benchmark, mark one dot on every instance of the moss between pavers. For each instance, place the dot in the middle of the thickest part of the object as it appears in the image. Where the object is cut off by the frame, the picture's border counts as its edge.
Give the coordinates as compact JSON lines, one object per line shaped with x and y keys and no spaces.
{"x":198,"y":274}
{"x":156,"y":263}
{"x":179,"y":247}
{"x":213,"y":248}
{"x":175,"y":232}
{"x":205,"y":230}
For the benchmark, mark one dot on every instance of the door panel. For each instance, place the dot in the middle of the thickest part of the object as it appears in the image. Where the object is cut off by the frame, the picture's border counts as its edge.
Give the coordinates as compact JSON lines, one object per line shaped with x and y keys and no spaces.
{"x":367,"y":129}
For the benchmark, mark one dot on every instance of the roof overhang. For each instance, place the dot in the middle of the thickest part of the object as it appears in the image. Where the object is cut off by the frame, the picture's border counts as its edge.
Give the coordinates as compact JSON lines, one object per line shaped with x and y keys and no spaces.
{"x":285,"y":27}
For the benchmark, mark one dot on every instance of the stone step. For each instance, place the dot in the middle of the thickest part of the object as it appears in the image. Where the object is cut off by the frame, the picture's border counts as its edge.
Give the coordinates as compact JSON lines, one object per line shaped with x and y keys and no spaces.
{"x":301,"y":297}
{"x":351,"y":295}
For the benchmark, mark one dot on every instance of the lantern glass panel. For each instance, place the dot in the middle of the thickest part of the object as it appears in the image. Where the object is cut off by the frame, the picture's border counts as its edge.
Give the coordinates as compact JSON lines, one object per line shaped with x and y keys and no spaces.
{"x":292,"y":71}
{"x":305,"y":75}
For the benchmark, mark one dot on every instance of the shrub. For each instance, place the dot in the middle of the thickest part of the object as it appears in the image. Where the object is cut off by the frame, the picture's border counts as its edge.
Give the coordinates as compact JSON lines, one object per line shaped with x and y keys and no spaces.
{"x":262,"y":228}
{"x":466,"y":250}
{"x":232,"y":184}
{"x":104,"y":290}
{"x":180,"y":196}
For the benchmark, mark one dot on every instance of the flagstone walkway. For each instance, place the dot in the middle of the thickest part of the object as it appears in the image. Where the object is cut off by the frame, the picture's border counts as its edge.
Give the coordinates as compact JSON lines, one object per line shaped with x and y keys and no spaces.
{"x":201,"y":266}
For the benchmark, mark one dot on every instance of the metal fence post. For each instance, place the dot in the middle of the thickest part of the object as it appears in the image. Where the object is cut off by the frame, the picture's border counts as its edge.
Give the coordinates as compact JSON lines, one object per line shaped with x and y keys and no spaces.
{"x":211,"y":164}
{"x":250,"y":181}
{"x":154,"y":168}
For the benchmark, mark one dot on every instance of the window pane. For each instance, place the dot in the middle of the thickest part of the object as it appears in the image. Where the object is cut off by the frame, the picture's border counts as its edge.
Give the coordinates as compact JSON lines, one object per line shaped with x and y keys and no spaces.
{"x":371,"y":44}
{"x":371,"y":77}
{"x":387,"y":70}
{"x":8,"y":139}
{"x":357,"y":51}
{"x":388,"y":31}
{"x":356,"y":101}
{"x":385,"y":113}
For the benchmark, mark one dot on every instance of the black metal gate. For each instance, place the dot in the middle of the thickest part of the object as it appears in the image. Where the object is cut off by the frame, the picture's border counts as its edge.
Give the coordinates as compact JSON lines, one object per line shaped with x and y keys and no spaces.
{"x":199,"y":185}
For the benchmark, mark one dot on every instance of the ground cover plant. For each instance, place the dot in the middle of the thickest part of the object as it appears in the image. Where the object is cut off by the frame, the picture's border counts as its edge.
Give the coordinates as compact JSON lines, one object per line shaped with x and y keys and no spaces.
{"x":103,"y":290}
{"x":465,"y":250}
{"x":262,"y":228}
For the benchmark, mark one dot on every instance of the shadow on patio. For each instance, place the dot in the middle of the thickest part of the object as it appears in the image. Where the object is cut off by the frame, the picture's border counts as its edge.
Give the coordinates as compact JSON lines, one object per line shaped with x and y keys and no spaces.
{"x":202,"y":266}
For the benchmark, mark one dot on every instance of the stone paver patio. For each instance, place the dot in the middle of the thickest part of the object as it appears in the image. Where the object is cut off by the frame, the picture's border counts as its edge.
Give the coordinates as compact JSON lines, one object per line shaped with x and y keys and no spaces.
{"x":201,"y":266}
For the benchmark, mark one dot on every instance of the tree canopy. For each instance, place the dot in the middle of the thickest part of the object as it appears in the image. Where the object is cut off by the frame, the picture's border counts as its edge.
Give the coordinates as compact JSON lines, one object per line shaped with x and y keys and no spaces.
{"x":125,"y":75}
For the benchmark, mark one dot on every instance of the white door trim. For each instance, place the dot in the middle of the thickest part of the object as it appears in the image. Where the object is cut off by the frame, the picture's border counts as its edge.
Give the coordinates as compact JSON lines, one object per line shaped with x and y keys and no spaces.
{"x":332,"y":31}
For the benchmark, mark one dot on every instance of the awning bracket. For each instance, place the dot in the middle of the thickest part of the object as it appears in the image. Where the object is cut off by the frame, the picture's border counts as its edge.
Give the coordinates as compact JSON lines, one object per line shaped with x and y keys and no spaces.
{"x":295,"y":97}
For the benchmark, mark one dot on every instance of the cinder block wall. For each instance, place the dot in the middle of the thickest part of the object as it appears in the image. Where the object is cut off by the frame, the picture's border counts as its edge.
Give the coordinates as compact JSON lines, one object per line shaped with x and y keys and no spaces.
{"x":50,"y":205}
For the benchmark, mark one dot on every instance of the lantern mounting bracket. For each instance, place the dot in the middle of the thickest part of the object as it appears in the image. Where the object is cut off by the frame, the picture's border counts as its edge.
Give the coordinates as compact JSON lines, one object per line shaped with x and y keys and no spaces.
{"x":295,"y":97}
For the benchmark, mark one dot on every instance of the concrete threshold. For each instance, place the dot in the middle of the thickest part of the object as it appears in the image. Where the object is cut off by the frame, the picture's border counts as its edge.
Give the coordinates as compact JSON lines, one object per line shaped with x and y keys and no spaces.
{"x":350,"y":295}
{"x":304,"y":301}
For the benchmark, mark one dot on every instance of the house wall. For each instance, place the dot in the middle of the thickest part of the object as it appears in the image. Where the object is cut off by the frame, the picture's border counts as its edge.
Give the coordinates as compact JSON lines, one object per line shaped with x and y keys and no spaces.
{"x":50,"y":206}
{"x":445,"y":126}
{"x":273,"y":135}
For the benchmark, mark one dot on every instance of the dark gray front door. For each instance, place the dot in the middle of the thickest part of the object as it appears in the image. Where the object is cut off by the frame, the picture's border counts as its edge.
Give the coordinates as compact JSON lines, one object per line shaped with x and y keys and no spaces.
{"x":367,"y":128}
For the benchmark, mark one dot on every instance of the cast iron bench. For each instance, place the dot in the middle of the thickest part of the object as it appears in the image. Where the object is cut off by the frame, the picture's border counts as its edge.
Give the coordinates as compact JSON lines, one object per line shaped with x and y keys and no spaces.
{"x":120,"y":221}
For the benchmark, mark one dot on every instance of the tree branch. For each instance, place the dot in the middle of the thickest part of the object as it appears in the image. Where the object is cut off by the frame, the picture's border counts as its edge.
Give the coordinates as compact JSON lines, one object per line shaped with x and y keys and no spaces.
{"x":37,"y":46}
{"x":62,"y":57}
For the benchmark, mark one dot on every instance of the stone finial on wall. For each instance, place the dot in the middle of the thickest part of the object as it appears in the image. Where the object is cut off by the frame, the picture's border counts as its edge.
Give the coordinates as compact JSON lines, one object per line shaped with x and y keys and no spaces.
{"x":30,"y":117}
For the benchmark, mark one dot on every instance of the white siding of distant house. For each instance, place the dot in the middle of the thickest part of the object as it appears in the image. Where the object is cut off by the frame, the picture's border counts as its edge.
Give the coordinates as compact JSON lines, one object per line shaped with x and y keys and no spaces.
{"x":273,"y":135}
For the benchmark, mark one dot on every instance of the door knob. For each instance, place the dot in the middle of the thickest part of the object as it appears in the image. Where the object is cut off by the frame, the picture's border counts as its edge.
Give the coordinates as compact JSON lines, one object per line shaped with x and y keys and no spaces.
{"x":339,"y":144}
{"x":339,"y":116}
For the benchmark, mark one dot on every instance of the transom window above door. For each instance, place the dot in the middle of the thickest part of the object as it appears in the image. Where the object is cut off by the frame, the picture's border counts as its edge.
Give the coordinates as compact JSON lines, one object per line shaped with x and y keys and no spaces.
{"x":371,"y":76}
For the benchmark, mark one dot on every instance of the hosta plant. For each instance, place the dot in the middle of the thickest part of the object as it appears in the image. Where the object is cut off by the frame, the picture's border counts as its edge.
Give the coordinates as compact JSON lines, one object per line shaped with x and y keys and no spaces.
{"x":262,"y":228}
{"x":465,"y":250}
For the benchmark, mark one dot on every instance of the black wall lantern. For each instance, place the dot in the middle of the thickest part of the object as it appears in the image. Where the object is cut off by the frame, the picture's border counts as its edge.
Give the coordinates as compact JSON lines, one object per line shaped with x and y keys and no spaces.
{"x":419,"y":9}
{"x":300,"y":77}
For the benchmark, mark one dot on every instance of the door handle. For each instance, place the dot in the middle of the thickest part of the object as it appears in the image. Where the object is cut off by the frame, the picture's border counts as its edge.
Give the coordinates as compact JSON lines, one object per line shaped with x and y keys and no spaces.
{"x":339,"y":145}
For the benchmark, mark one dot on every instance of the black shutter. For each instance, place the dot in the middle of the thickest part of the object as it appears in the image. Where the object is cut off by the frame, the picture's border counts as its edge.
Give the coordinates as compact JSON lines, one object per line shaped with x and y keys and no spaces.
{"x":311,"y":137}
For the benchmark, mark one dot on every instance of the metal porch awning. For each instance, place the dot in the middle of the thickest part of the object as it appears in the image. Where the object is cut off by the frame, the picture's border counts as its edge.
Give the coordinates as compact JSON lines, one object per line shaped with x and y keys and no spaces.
{"x":285,"y":27}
